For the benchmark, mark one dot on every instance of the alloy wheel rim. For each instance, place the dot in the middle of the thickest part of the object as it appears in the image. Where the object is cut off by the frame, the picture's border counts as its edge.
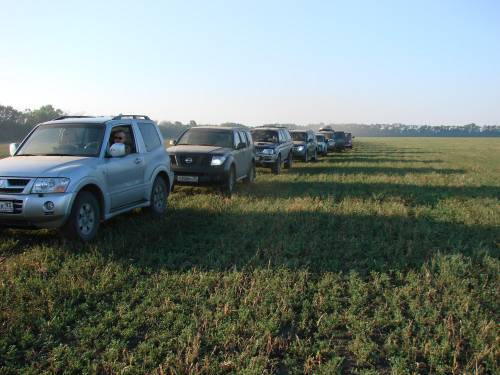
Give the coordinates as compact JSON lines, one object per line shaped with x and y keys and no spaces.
{"x":158,"y":197}
{"x":86,"y":219}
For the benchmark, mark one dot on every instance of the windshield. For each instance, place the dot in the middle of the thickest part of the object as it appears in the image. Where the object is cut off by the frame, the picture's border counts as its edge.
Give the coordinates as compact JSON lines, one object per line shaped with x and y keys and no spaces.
{"x":207,"y":137}
{"x":64,"y":140}
{"x":265,"y":136}
{"x":299,"y":136}
{"x":320,"y":138}
{"x":338,"y":135}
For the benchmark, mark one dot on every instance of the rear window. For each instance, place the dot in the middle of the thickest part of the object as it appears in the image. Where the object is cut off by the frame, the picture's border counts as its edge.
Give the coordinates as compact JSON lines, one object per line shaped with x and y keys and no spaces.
{"x":150,"y":136}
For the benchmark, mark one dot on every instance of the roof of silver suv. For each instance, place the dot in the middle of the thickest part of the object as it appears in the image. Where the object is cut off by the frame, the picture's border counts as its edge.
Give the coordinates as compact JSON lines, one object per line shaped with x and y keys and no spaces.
{"x":95,"y":119}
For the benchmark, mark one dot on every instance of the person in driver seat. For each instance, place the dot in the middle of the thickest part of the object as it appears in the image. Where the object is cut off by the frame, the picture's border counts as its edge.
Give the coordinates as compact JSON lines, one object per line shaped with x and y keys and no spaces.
{"x":120,"y":137}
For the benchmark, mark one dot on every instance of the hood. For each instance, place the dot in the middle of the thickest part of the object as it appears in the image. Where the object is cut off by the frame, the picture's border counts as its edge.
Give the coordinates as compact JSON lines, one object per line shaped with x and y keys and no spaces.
{"x":193,"y":149}
{"x":42,"y":166}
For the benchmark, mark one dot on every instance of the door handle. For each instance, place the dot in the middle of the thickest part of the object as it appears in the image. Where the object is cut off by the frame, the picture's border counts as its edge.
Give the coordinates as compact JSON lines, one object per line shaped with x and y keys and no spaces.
{"x":138,"y":161}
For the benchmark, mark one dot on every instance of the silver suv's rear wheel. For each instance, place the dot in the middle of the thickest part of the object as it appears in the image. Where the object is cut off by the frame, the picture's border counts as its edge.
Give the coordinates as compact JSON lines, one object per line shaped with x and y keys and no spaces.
{"x":159,"y":197}
{"x":84,"y":220}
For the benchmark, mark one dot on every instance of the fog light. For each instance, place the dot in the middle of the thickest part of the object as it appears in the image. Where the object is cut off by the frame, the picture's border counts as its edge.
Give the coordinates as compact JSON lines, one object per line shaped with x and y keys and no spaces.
{"x":49,"y":206}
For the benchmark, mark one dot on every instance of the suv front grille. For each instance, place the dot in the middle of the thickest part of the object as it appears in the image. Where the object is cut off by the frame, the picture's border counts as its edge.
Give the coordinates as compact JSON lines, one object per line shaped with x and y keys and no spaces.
{"x":18,"y":206}
{"x":14,"y":185}
{"x":187,"y":160}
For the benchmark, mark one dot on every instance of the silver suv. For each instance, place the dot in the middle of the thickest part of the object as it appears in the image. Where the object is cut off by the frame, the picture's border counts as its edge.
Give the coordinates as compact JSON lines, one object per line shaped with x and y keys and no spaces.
{"x":74,"y":172}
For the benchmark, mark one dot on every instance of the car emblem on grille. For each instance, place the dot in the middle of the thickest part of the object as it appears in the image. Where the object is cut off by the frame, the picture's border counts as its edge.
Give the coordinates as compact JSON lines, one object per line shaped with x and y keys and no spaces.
{"x":188,"y":160}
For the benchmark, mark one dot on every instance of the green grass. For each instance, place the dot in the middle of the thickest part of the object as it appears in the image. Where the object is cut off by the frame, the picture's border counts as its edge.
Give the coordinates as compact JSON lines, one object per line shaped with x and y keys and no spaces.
{"x":379,"y":260}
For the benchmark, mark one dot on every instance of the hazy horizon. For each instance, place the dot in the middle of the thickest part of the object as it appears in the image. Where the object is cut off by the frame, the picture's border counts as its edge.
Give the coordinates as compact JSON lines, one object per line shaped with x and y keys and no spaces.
{"x":260,"y":62}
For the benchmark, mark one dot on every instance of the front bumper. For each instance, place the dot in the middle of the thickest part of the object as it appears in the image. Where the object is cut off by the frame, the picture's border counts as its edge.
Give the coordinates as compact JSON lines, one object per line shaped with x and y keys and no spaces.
{"x":30,"y":210}
{"x":265,"y":159}
{"x":299,"y":153}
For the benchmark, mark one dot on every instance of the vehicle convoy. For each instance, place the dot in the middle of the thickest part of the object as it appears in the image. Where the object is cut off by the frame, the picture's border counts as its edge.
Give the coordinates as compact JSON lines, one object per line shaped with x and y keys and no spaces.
{"x":273,"y":147}
{"x":348,"y":140}
{"x":305,"y":146}
{"x":339,"y":139}
{"x":328,"y":132}
{"x":322,"y":144}
{"x":213,"y":155}
{"x":76,"y":171}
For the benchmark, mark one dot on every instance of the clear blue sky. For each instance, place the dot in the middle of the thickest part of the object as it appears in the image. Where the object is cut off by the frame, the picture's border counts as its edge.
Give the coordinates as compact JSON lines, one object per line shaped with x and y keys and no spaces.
{"x":432,"y":62}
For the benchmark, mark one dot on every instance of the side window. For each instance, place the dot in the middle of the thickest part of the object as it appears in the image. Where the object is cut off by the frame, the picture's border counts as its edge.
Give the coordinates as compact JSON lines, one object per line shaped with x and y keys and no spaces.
{"x":280,"y":135}
{"x":287,"y":135}
{"x":123,"y":134}
{"x":248,"y":135}
{"x":243,"y":137}
{"x":149,"y":135}
{"x":237,"y":139}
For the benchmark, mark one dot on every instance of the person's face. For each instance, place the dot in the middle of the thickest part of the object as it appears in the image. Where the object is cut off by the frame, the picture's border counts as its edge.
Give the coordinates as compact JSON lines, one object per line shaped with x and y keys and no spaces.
{"x":119,"y":137}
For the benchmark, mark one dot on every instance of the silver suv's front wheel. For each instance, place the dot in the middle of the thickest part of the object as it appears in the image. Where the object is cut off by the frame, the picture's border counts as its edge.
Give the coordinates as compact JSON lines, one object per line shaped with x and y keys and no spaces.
{"x":84,"y":220}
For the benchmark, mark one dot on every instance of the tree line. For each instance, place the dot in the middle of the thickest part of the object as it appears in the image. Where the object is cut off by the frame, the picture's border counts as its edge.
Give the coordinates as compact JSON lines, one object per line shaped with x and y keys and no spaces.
{"x":15,"y":124}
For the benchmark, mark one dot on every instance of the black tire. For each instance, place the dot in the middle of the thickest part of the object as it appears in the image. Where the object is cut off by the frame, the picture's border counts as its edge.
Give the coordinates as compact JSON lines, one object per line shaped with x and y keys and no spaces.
{"x":250,"y":175}
{"x":276,"y":168}
{"x":289,"y":162}
{"x":229,"y":184}
{"x":306,"y":157}
{"x":85,"y":218}
{"x":158,"y":198}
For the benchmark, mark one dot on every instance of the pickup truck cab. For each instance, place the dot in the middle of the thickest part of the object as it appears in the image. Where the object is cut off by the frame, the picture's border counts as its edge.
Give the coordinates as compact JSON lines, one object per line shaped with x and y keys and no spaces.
{"x":74,"y":172}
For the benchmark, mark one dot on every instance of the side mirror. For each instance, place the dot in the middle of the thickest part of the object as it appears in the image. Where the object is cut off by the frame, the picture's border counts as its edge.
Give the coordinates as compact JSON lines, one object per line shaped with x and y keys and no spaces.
{"x":172,"y":142}
{"x":241,"y":145}
{"x":117,"y":150}
{"x":13,"y":148}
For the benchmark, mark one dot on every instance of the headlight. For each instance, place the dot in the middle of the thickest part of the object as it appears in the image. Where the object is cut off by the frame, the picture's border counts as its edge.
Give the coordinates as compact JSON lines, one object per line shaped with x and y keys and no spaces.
{"x":217,"y":160}
{"x":300,"y":148}
{"x":50,"y":185}
{"x":268,"y":151}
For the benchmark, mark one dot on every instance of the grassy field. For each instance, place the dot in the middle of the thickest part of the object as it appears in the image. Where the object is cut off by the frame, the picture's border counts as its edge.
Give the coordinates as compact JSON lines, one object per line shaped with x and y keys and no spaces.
{"x":384,"y":259}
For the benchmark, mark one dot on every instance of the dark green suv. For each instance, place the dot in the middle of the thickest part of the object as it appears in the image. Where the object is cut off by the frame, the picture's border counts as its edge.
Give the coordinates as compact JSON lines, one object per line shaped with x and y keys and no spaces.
{"x":273,"y":147}
{"x":212,"y":155}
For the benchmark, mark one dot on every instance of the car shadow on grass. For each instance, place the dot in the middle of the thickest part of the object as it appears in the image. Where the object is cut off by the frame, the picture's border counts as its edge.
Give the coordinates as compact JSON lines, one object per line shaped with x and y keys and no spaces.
{"x":408,"y":193}
{"x":343,"y":170}
{"x":317,"y":241}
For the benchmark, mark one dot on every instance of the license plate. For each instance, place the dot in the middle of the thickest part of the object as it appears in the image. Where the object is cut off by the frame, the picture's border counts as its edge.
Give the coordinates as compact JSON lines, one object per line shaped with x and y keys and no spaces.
{"x":6,"y":207}
{"x":187,"y":178}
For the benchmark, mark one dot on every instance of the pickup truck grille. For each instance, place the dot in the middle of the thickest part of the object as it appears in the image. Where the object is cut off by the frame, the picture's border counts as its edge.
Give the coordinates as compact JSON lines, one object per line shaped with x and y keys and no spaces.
{"x":18,"y":206}
{"x":13,"y":185}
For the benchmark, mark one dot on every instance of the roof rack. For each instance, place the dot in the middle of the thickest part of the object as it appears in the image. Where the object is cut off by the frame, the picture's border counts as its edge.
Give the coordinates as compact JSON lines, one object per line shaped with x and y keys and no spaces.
{"x":135,"y":117}
{"x":271,"y":126}
{"x":67,"y":116}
